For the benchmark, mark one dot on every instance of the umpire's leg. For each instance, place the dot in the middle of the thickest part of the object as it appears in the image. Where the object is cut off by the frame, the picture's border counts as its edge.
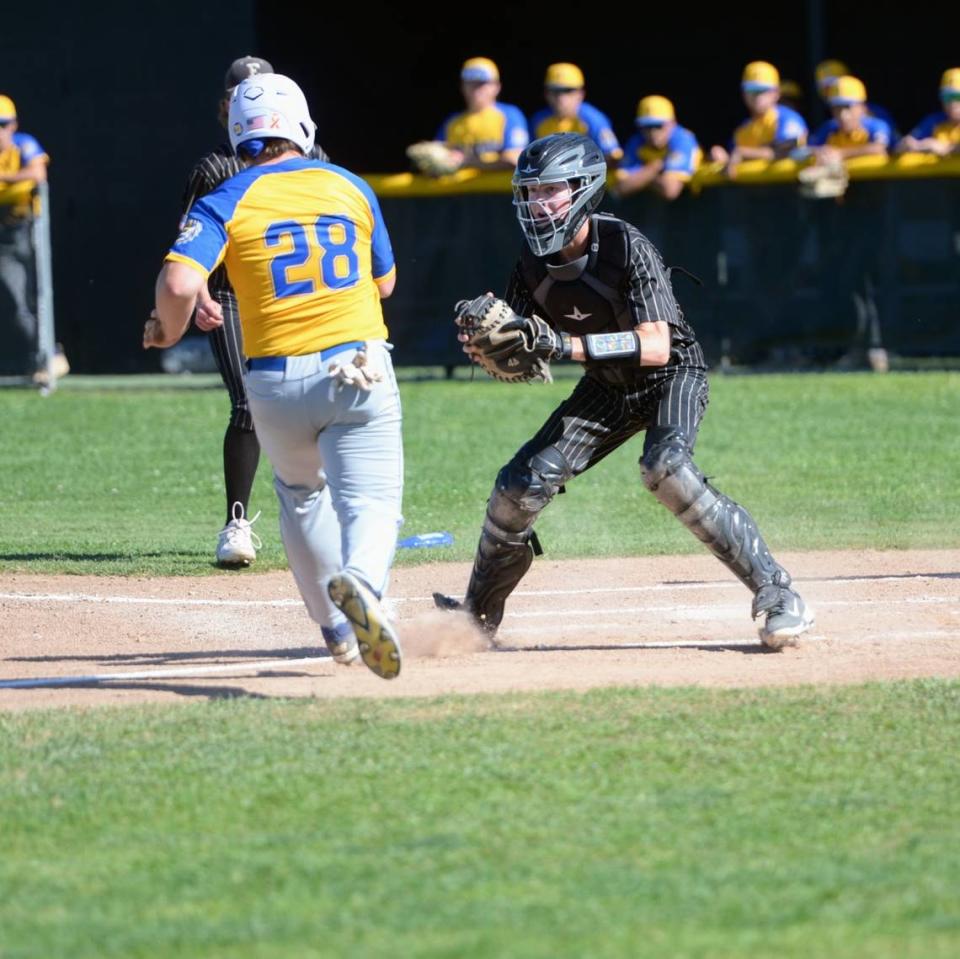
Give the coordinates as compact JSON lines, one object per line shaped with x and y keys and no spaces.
{"x":241,"y":448}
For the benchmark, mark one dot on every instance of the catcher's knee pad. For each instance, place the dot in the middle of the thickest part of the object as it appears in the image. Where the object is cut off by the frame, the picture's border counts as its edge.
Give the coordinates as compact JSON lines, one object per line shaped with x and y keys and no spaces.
{"x":726,"y":528}
{"x":525,"y":486}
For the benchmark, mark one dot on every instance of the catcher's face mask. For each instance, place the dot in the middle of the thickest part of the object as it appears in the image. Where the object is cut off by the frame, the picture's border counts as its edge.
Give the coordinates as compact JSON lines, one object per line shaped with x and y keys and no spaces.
{"x":558,"y":183}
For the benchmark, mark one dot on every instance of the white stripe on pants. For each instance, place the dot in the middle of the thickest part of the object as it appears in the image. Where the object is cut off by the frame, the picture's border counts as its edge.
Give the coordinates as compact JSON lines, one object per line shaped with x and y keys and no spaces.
{"x":337,"y":458}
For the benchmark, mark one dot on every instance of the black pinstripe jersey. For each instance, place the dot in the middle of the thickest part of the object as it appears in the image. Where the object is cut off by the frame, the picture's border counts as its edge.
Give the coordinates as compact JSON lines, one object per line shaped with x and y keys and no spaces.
{"x":210,"y":171}
{"x":619,"y":282}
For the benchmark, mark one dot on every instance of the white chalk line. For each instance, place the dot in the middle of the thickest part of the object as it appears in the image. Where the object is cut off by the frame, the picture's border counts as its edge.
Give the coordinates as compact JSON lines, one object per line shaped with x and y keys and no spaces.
{"x":699,"y":612}
{"x":19,"y":597}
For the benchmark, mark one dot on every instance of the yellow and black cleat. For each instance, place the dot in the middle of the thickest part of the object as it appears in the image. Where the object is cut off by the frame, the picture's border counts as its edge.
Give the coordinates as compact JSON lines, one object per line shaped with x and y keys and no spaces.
{"x":378,"y":642}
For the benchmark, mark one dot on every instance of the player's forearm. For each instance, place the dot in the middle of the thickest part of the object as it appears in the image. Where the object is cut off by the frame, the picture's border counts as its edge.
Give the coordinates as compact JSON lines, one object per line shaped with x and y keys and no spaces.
{"x":752,"y":153}
{"x":868,"y":149}
{"x":176,"y":296}
{"x":652,"y":346}
{"x":634,"y":180}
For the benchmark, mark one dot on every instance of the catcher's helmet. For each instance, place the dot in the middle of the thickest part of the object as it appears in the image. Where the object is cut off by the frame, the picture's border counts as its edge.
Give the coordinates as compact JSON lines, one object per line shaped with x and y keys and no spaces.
{"x":269,"y":106}
{"x":560,"y":157}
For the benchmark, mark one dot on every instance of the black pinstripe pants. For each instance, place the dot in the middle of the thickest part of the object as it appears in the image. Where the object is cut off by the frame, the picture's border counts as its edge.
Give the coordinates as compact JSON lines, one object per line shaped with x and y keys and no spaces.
{"x":226,"y":342}
{"x":597,"y":418}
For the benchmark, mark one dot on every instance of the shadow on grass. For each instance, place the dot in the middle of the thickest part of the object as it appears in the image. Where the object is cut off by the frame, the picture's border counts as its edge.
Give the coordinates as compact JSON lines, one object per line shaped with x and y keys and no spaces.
{"x":57,"y":555}
{"x":206,"y":692}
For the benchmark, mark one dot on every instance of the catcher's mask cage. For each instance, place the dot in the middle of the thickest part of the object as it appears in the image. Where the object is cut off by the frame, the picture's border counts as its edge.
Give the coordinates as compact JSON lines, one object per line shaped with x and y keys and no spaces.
{"x":270,"y":105}
{"x":559,"y":158}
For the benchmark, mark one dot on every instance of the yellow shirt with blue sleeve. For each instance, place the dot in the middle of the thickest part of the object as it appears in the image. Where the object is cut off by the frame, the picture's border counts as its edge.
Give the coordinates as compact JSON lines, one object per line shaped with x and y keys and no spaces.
{"x":589,"y":121}
{"x":778,"y":125}
{"x":681,"y":156}
{"x":937,"y":126}
{"x":869,"y":130}
{"x":304,"y":243}
{"x":486,"y":133}
{"x":16,"y":199}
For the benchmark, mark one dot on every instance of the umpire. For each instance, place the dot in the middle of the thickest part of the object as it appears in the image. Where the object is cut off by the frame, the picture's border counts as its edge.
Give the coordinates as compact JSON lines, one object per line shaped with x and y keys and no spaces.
{"x":236,"y":544}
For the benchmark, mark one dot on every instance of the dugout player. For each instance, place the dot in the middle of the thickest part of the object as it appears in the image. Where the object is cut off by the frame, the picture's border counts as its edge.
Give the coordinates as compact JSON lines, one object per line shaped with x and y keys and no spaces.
{"x":602,"y":285}
{"x":771,"y":131}
{"x":568,"y":112}
{"x":488,"y":134}
{"x":236,"y":543}
{"x":309,"y":257}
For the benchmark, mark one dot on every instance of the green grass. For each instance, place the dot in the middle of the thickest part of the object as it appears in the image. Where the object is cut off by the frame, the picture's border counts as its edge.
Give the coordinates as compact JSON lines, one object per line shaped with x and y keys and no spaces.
{"x":108,"y":480}
{"x":683,"y":823}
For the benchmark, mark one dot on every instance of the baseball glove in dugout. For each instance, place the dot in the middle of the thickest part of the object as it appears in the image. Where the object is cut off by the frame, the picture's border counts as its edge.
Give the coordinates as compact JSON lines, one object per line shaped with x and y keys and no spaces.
{"x":512,"y":348}
{"x":432,"y":158}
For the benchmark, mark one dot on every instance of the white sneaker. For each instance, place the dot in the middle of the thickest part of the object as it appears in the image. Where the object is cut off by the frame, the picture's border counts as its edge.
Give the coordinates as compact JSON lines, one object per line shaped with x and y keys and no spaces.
{"x":237,"y":544}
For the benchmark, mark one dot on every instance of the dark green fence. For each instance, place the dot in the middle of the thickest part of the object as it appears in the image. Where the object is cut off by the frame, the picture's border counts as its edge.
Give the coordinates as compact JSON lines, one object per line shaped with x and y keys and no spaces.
{"x":786,"y":280}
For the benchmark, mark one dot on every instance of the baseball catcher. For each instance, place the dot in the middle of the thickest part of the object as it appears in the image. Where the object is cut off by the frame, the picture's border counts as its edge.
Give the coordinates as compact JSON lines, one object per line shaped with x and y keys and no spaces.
{"x":591,"y":288}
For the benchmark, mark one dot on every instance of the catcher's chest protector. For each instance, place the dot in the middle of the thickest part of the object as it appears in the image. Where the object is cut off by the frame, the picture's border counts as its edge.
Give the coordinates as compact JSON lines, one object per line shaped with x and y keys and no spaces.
{"x":587,"y":295}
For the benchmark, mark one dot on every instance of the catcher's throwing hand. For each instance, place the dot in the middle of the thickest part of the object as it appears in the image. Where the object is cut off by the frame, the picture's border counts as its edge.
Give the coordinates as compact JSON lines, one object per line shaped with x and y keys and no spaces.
{"x":512,"y":348}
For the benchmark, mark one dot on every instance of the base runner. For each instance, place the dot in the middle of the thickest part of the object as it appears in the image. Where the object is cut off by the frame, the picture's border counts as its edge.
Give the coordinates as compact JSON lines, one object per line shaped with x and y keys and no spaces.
{"x":308,"y":254}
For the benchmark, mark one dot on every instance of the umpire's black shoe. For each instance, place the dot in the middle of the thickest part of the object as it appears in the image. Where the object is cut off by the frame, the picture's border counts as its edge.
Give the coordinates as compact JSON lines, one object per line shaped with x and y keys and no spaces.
{"x":787,"y":615}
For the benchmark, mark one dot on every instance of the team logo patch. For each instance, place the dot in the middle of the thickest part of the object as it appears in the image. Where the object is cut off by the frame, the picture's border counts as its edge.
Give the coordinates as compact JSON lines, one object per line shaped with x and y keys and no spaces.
{"x":238,"y":128}
{"x":191,"y":230}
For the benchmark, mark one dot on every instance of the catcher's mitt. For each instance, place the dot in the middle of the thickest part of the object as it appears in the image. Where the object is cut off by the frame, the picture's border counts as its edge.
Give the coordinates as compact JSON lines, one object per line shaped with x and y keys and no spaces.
{"x":512,"y":348}
{"x":432,"y":158}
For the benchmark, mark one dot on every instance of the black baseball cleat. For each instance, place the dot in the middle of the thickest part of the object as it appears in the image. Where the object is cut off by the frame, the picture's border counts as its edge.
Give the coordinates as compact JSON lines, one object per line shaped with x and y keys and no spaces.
{"x":447,"y":603}
{"x":376,"y":638}
{"x":450,"y":605}
{"x":787,"y":615}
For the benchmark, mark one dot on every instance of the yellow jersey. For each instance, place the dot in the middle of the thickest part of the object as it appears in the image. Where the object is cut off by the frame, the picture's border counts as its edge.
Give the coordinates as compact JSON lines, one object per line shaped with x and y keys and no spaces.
{"x":304,"y":244}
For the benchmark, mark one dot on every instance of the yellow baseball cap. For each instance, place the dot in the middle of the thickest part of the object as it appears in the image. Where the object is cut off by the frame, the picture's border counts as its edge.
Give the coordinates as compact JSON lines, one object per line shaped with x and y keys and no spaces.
{"x":842,"y":91}
{"x":828,"y":70}
{"x":564,"y":76}
{"x":949,"y":82}
{"x":479,"y":70}
{"x":7,"y":110}
{"x":654,"y":110}
{"x":759,"y":76}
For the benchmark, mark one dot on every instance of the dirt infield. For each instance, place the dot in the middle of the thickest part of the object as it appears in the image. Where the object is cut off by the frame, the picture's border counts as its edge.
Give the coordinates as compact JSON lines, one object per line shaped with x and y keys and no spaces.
{"x":659,"y":621}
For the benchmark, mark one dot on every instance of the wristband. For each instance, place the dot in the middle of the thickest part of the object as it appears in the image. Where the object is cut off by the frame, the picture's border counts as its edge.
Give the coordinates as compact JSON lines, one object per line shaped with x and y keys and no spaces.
{"x":612,"y":346}
{"x":566,"y":346}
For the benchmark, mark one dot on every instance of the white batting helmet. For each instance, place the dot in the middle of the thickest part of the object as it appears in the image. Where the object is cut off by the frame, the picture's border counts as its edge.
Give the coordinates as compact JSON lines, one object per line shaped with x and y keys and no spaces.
{"x":270,"y":106}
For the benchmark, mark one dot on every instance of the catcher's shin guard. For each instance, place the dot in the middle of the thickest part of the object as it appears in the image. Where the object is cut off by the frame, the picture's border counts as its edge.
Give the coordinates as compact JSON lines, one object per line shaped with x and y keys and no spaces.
{"x":725,"y":527}
{"x":502,"y":560}
{"x":507,"y":541}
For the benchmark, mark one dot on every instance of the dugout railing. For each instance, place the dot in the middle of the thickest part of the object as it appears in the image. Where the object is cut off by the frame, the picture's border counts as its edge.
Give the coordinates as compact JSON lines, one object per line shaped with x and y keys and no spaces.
{"x":787,"y":281}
